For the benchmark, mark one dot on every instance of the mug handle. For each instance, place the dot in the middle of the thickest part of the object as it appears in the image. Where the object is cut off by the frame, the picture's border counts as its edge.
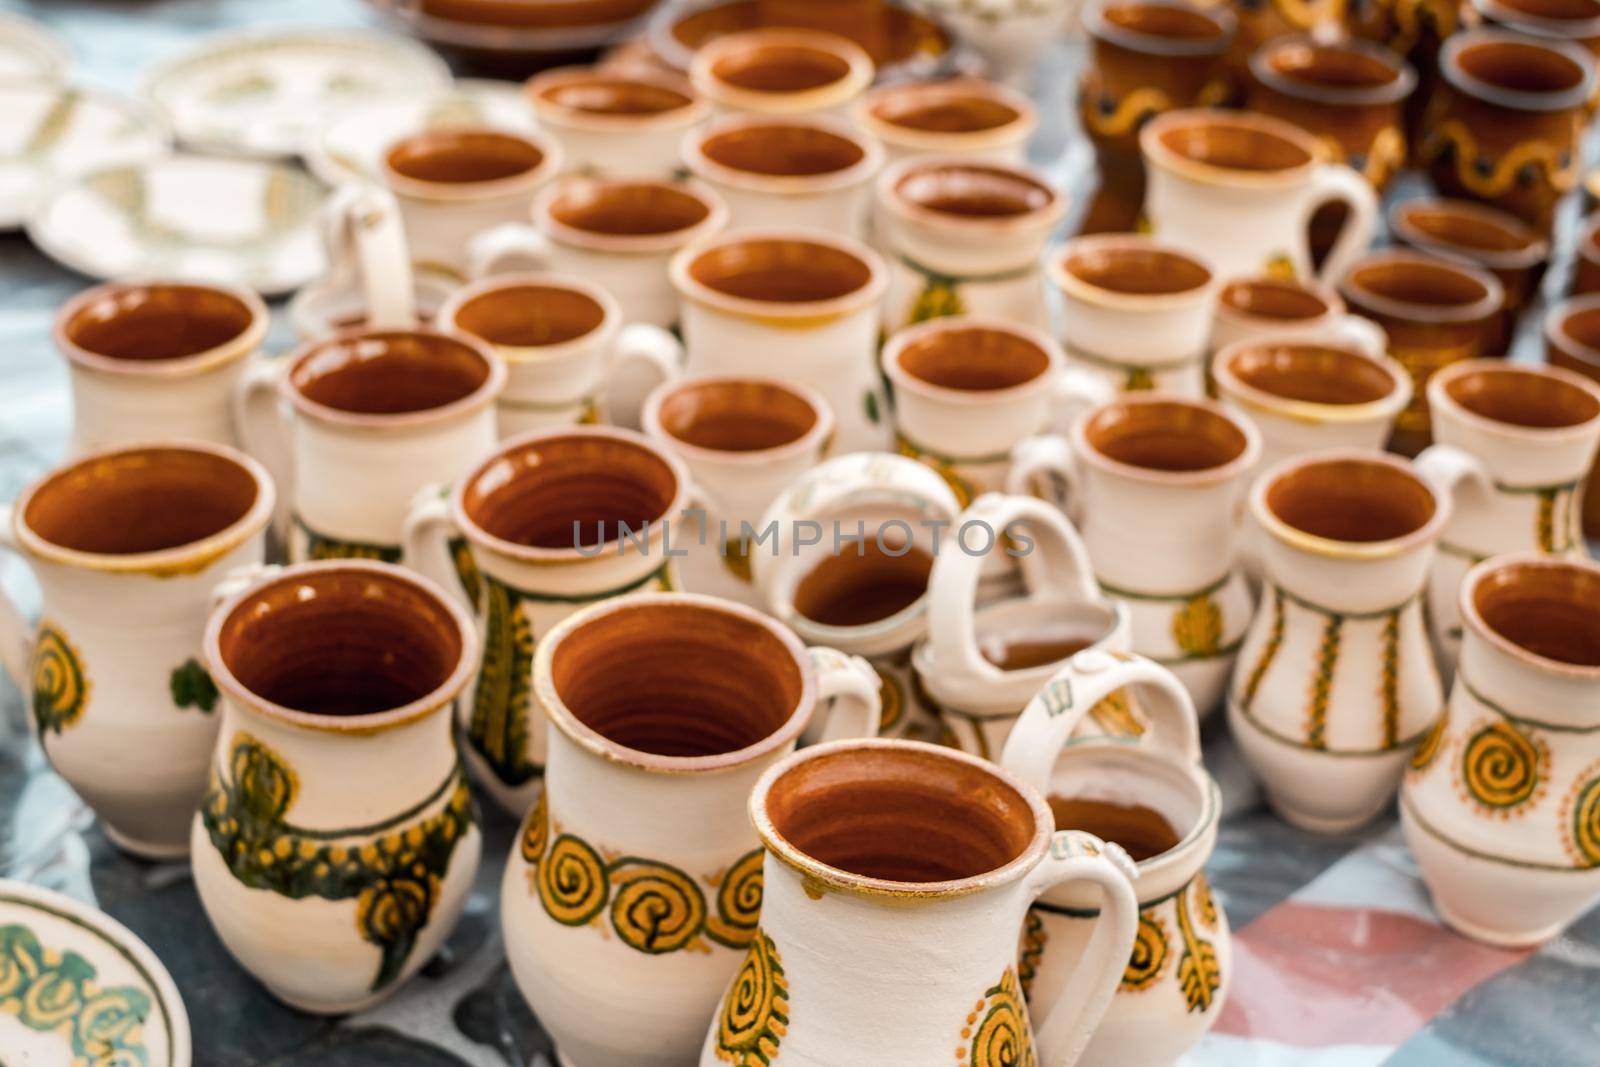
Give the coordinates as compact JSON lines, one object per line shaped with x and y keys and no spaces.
{"x":263,"y":426}
{"x":1449,"y":468}
{"x":1335,"y":181}
{"x":364,"y":236}
{"x":1045,"y":458}
{"x":16,"y":634}
{"x":1364,"y":334}
{"x":850,"y":695}
{"x":657,"y":352}
{"x":1076,"y":390}
{"x":506,"y":247}
{"x":239,"y":579}
{"x":425,"y":542}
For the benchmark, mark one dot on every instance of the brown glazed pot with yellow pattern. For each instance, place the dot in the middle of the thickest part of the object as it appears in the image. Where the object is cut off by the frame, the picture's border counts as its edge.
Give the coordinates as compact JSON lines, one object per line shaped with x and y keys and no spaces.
{"x":1572,"y":340}
{"x":1557,"y":20}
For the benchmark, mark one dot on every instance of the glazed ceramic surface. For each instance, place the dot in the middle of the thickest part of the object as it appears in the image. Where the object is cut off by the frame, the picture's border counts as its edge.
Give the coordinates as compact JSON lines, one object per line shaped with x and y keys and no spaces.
{"x":782,"y":72}
{"x":1009,"y":34}
{"x":955,"y":117}
{"x":29,"y":53}
{"x":1262,"y":306}
{"x":1572,"y":341}
{"x":618,"y":123}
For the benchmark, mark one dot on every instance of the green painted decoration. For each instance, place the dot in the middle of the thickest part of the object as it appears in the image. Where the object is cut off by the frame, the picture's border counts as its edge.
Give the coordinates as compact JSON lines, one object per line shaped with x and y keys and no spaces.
{"x":498,"y":727}
{"x":192,"y":687}
{"x":56,"y":992}
{"x":60,"y":686}
{"x":322,"y":546}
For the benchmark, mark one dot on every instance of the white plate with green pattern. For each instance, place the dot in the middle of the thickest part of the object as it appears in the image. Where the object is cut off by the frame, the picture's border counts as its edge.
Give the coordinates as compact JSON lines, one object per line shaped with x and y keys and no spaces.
{"x":29,"y":53}
{"x":205,"y":218}
{"x":267,"y":94}
{"x":78,"y":988}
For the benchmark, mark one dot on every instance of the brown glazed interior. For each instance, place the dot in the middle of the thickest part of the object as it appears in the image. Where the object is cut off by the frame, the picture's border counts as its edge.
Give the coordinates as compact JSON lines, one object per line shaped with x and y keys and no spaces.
{"x":851,"y":588}
{"x":530,"y":316}
{"x":943,"y":109}
{"x":1331,"y":66}
{"x":1270,"y":299}
{"x":1137,"y":270}
{"x":1582,"y":328}
{"x":677,"y":679}
{"x":340,"y":642}
{"x":973,"y":359}
{"x":900,"y":814}
{"x":389,"y":373}
{"x":974,"y":190}
{"x":726,"y":415}
{"x":142,"y":500}
{"x":780,"y":270}
{"x":1473,"y":228}
{"x":782,"y":150}
{"x":1519,"y":66}
{"x":562,"y":491}
{"x":1025,"y":653}
{"x":1233,"y":145}
{"x":1171,"y":21}
{"x":1565,"y":10}
{"x":612,"y":95}
{"x":628,"y":208}
{"x":1522,"y":398}
{"x":1418,"y":283}
{"x":1143,"y":833}
{"x":151,"y":322}
{"x":1351,"y":500}
{"x":1551,"y":611}
{"x":780,"y":68}
{"x":456,"y":157}
{"x":1165,"y":436}
{"x":1313,"y":373}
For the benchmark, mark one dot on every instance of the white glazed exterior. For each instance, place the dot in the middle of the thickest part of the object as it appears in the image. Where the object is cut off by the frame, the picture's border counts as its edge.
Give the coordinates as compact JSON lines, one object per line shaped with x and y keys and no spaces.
{"x":331,"y":305}
{"x":599,"y":143}
{"x":1009,"y":34}
{"x":1336,"y":324}
{"x":1007,"y":144}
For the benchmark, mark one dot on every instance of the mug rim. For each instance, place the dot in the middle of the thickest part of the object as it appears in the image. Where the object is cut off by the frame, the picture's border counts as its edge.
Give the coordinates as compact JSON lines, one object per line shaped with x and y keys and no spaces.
{"x":692,"y":289}
{"x":1399,"y":87}
{"x":1334,"y":305}
{"x":1439,"y":397}
{"x":1247,"y":458}
{"x":1555,"y":327}
{"x":1473,"y":618}
{"x":1098,"y":27}
{"x":1159,"y":155}
{"x":596,"y":743}
{"x":1535,"y":250}
{"x":190,"y":558}
{"x":520,"y":355}
{"x":628,"y":243}
{"x":236,"y":348}
{"x":1072,"y":286}
{"x":814,"y":437}
{"x":1235,"y":388}
{"x":1045,"y":216}
{"x":1327,"y":546}
{"x":710,"y":170}
{"x":1019,"y":129}
{"x":1534,"y":25}
{"x":1485,"y":306}
{"x":407,"y":187}
{"x":859,"y":71}
{"x":1516,"y":99}
{"x":547,"y":110}
{"x":906,"y":336}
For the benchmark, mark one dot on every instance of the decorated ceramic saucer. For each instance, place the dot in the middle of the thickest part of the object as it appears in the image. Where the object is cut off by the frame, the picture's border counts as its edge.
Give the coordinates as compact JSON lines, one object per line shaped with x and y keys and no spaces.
{"x":77,"y":988}
{"x":29,"y":53}
{"x":240,"y":221}
{"x":50,"y":133}
{"x":267,"y":94}
{"x":353,"y":146}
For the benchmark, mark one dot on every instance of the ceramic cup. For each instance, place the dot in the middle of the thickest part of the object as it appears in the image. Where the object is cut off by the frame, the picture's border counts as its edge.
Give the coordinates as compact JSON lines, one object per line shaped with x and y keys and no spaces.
{"x":781,"y":71}
{"x":548,"y":523}
{"x":1433,"y":312}
{"x":569,"y":357}
{"x":1514,"y":448}
{"x":805,"y":172}
{"x":965,"y":238}
{"x":338,"y":841}
{"x":861,"y":865}
{"x":799,"y":300}
{"x":126,"y":545}
{"x":743,"y":439}
{"x":635,"y":887}
{"x":1136,"y":311}
{"x":156,"y":360}
{"x":332,"y":305}
{"x":1241,"y":189}
{"x":624,"y":121}
{"x":958,"y":117}
{"x":1336,"y":682}
{"x":353,"y":425}
{"x":1498,"y":805}
{"x":1572,"y":341}
{"x":1255,"y":307}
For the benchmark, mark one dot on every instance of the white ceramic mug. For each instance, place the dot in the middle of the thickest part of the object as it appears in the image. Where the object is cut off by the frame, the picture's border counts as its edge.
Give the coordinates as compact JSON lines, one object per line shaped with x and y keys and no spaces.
{"x":617,"y":121}
{"x":1263,"y":306}
{"x":956,"y":117}
{"x":781,"y":71}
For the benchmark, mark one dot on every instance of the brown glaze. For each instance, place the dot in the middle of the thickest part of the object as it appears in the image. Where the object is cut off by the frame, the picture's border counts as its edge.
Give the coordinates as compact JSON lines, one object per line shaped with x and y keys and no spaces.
{"x":1143,"y":833}
{"x":1230,"y":144}
{"x":628,"y":208}
{"x":161,"y":321}
{"x":1020,"y":654}
{"x":1523,"y":398}
{"x":780,"y":68}
{"x":780,"y":271}
{"x":1520,"y":66}
{"x":1572,"y":341}
{"x":974,"y":190}
{"x":782,"y":150}
{"x":558,"y":492}
{"x":943,"y":109}
{"x":1267,"y":298}
{"x":530,"y":316}
{"x":341,"y":642}
{"x":614,"y":94}
{"x":1165,"y":436}
{"x":140,"y":500}
{"x":856,"y":589}
{"x":1312,"y":373}
{"x":1351,"y":500}
{"x":1586,"y":265}
{"x":731,"y":415}
{"x":536,"y":14}
{"x":974,"y":359}
{"x":388,"y":373}
{"x":460,"y":157}
{"x":1138,"y":270}
{"x":1551,"y":611}
{"x":906,"y":814}
{"x":890,"y":33}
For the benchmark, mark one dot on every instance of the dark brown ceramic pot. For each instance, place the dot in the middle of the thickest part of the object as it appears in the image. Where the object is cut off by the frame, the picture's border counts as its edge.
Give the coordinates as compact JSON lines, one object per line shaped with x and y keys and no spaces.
{"x":1572,"y":340}
{"x":1586,"y":258}
{"x":901,"y":41}
{"x":1555,"y":20}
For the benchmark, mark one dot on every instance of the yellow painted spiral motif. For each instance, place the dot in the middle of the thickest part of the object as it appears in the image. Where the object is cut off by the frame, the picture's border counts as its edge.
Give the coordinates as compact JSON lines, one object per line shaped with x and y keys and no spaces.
{"x":60,"y":687}
{"x":1585,"y":824}
{"x":1498,"y":177}
{"x":1197,"y":626}
{"x":1501,"y":767}
{"x":739,"y":893}
{"x":1427,"y":749}
{"x":1148,"y":961}
{"x":655,"y":908}
{"x":998,"y":1027}
{"x":392,"y":909}
{"x":572,"y":881}
{"x":536,"y":834}
{"x":755,"y":1012}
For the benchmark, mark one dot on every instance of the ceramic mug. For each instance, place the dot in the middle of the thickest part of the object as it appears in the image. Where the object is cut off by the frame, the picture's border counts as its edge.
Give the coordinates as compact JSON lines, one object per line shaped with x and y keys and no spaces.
{"x":965,"y":238}
{"x":1136,"y":311}
{"x":126,"y":545}
{"x":1514,"y":448}
{"x":332,"y":305}
{"x":1537,"y":18}
{"x":1241,"y":188}
{"x":1572,"y":341}
{"x":617,"y":121}
{"x":338,"y":841}
{"x":1249,"y":308}
{"x":781,"y":71}
{"x":353,"y":425}
{"x":861,"y":865}
{"x":156,"y":360}
{"x":1498,"y":805}
{"x":548,"y":523}
{"x":635,"y":886}
{"x":567,"y":353}
{"x":957,"y":117}
{"x":1336,"y":682}
{"x":797,"y":299}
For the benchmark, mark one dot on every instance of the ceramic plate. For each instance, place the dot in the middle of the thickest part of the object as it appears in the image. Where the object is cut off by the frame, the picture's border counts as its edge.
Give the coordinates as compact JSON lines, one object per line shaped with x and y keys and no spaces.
{"x":79,"y":988}
{"x":29,"y":53}
{"x":51,"y":133}
{"x":353,"y":146}
{"x":240,"y":221}
{"x":267,"y":94}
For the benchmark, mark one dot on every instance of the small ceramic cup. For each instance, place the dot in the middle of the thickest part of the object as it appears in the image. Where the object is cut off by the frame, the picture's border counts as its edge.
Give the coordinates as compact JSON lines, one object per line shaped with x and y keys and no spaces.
{"x":338,"y":841}
{"x":548,"y":523}
{"x":1136,"y":311}
{"x":567,"y":352}
{"x":1586,"y":257}
{"x":332,"y":305}
{"x":965,"y":238}
{"x":1257,"y":307}
{"x":1572,"y":341}
{"x":965,"y":117}
{"x":353,"y":425}
{"x":154,"y":360}
{"x":620,"y":122}
{"x":804,"y":172}
{"x":126,"y":545}
{"x":781,"y":71}
{"x":744,"y":439}
{"x":634,"y":890}
{"x":453,"y":183}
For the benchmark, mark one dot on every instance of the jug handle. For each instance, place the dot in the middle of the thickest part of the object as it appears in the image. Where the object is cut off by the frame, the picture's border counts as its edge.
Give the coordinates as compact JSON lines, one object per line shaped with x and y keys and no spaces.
{"x":656,"y":354}
{"x":1045,"y":459}
{"x":239,"y":579}
{"x":263,"y":425}
{"x":1447,"y":468}
{"x":849,"y":697}
{"x":425,"y":542}
{"x":510,"y":246}
{"x":1335,"y":181}
{"x":16,"y":635}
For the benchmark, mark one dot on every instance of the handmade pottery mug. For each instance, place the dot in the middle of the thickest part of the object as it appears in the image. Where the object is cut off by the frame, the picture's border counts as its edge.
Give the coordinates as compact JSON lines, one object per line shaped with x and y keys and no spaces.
{"x":617,"y":121}
{"x":1251,"y":308}
{"x":337,"y":844}
{"x":567,"y":353}
{"x":1136,"y":311}
{"x":1153,"y":484}
{"x":1514,"y":448}
{"x":332,"y":305}
{"x":781,"y":71}
{"x":156,"y":360}
{"x":1578,"y":21}
{"x":638,"y":866}
{"x":1499,"y":803}
{"x":354,"y":425}
{"x":860,"y":864}
{"x":965,"y":117}
{"x":1241,"y":189}
{"x":965,"y":238}
{"x":1151,"y":795}
{"x":1336,"y":682}
{"x":126,"y":545}
{"x":546,"y":524}
{"x":797,"y":299}
{"x":1572,"y":341}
